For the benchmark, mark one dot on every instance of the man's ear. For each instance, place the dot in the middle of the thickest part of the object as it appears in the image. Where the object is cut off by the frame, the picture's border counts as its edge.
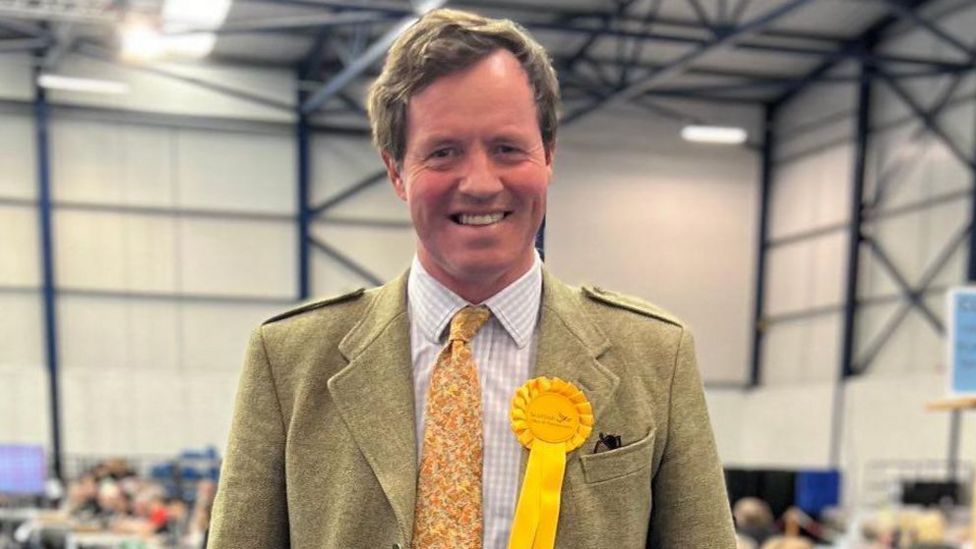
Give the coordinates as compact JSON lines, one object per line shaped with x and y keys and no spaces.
{"x":394,"y":174}
{"x":550,"y":156}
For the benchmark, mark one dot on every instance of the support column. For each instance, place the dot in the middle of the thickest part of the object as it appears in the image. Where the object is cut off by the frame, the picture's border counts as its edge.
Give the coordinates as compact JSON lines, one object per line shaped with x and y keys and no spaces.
{"x":303,"y":212}
{"x":48,"y":285}
{"x":765,"y":188}
{"x":855,"y":237}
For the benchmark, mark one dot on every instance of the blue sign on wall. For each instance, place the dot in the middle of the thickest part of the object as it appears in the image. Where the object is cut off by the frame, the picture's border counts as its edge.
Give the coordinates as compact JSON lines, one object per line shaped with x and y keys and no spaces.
{"x":962,"y":341}
{"x":21,"y":469}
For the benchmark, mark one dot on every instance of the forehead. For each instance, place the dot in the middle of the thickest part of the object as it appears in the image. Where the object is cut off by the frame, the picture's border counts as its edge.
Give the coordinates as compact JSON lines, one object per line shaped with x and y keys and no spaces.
{"x":494,"y":90}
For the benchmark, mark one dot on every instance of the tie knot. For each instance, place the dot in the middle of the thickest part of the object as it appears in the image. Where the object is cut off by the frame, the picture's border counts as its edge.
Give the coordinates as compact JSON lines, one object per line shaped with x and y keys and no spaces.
{"x":467,"y":322}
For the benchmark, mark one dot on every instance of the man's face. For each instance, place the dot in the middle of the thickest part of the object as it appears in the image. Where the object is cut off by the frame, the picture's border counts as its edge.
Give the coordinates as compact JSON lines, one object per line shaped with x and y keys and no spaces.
{"x":474,"y":175}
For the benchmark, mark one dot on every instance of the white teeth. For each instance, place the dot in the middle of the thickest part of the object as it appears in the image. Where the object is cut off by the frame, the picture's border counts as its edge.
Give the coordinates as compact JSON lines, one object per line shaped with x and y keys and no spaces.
{"x":488,"y":219}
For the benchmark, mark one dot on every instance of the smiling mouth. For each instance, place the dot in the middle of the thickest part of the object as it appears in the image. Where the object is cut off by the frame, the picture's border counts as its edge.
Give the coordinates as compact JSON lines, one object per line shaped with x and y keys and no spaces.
{"x":479,"y":220}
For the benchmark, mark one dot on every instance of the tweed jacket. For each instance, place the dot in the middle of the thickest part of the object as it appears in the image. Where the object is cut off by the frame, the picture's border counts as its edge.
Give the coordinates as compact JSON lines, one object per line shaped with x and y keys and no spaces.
{"x":322,"y":450}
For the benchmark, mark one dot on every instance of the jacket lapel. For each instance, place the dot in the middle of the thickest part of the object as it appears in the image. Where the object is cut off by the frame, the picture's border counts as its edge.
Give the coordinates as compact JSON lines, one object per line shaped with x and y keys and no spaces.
{"x":570,"y":346}
{"x":374,"y":395}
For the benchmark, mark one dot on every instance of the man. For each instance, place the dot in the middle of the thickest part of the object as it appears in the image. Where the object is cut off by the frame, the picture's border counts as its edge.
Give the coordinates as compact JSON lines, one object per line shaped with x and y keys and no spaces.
{"x":361,"y":423}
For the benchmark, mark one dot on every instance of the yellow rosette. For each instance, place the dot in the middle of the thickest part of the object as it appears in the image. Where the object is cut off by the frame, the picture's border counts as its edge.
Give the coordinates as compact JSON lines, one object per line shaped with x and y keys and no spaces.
{"x":551,"y":418}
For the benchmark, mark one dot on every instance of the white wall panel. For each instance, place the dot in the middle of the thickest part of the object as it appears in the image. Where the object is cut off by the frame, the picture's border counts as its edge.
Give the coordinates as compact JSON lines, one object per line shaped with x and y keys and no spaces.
{"x":802,"y":351}
{"x":384,"y":252}
{"x":338,"y":162}
{"x":815,"y":103}
{"x":799,"y":143}
{"x":98,"y":250}
{"x":725,"y":410}
{"x":16,"y":73}
{"x":331,"y":278}
{"x":152,"y":92}
{"x":788,"y":426}
{"x":913,"y":241}
{"x":811,"y":192}
{"x":145,"y":413}
{"x":806,"y":274}
{"x":24,"y":408}
{"x":213,"y":336}
{"x":22,"y":326}
{"x":915,"y":346}
{"x":227,"y":257}
{"x":17,"y":178}
{"x":20,"y":263}
{"x":885,"y":419}
{"x":105,"y":163}
{"x":675,"y":227}
{"x":914,"y":168}
{"x":236,"y":171}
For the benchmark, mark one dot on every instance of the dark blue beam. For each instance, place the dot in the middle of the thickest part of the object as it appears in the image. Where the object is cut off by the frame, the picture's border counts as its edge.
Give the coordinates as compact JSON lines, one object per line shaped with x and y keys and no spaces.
{"x":304,"y":196}
{"x":903,"y":9}
{"x":353,"y":190}
{"x":929,"y":121}
{"x":896,"y":319}
{"x":346,"y":261}
{"x":856,"y":218}
{"x":48,"y":284}
{"x":679,"y":64}
{"x":765,"y":193}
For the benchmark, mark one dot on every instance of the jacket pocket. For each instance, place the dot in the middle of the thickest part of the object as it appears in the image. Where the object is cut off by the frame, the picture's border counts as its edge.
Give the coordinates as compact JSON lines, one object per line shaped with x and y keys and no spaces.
{"x":618,"y":462}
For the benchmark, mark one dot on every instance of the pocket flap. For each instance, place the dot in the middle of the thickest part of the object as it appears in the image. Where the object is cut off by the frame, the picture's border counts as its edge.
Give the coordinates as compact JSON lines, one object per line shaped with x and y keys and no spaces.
{"x":619,"y":461}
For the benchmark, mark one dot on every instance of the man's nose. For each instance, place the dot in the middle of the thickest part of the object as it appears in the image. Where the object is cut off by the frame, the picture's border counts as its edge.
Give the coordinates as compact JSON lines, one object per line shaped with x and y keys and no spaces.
{"x":480,"y":178}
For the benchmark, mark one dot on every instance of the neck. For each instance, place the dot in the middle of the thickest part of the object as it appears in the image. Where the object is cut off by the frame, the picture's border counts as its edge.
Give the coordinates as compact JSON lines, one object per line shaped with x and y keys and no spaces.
{"x":476,"y":289}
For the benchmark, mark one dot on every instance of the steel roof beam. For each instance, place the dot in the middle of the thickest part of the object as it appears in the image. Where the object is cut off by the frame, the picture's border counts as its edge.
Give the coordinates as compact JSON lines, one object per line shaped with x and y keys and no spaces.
{"x":644,"y":84}
{"x":373,"y":53}
{"x":12,"y":45}
{"x":905,"y":11}
{"x":801,"y":51}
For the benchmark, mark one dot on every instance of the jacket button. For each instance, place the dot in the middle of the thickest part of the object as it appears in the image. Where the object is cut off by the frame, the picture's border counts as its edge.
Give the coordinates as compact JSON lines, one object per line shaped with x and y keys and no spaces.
{"x":397,"y":546}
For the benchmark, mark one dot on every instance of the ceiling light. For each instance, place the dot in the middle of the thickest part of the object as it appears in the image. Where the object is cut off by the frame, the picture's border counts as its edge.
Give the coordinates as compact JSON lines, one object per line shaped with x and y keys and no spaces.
{"x":141,"y":42}
{"x":177,"y":34}
{"x":88,"y":85}
{"x":714,"y":134}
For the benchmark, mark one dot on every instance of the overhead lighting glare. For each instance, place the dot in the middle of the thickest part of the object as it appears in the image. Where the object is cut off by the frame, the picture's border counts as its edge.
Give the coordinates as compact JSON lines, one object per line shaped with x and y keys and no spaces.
{"x":177,"y":35}
{"x":187,"y":15}
{"x":721,"y":135}
{"x":141,"y":42}
{"x":86,"y":85}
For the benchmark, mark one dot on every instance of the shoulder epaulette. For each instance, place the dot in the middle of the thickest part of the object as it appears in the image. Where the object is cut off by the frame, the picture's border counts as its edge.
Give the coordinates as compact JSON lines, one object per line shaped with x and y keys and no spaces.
{"x":316,"y":305}
{"x":629,"y":303}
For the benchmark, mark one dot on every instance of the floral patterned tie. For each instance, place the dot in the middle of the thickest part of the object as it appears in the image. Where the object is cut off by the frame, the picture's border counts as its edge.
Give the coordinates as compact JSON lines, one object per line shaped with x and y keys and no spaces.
{"x":448,"y":512}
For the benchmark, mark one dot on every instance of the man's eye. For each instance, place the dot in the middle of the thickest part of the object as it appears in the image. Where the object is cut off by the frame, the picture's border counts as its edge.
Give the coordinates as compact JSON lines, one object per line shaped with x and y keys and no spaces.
{"x":443,"y":153}
{"x":506,"y":149}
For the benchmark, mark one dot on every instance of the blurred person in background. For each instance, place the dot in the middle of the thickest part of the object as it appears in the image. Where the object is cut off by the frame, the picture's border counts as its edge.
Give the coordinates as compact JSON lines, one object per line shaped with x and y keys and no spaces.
{"x":754,"y":519}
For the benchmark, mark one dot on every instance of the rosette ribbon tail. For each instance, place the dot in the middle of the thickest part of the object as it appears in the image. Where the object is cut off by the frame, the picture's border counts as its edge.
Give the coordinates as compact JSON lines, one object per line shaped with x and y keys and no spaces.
{"x":537,"y":512}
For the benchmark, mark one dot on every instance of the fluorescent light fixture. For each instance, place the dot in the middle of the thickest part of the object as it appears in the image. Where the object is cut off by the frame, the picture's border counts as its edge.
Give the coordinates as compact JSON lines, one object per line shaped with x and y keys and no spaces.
{"x":88,"y":85}
{"x":714,"y":134}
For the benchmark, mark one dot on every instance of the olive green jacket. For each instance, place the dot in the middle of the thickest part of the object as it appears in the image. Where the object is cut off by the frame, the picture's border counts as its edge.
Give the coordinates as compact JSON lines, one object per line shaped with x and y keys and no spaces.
{"x":322,"y":451}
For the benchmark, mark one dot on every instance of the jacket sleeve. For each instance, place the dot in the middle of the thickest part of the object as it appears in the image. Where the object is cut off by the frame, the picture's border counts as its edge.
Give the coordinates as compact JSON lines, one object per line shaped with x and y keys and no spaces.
{"x":250,"y":509}
{"x":690,"y":504}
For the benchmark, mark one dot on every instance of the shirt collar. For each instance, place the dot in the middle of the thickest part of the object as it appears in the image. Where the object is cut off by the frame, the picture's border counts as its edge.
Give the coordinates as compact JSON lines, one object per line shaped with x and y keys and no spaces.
{"x":432,"y":305}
